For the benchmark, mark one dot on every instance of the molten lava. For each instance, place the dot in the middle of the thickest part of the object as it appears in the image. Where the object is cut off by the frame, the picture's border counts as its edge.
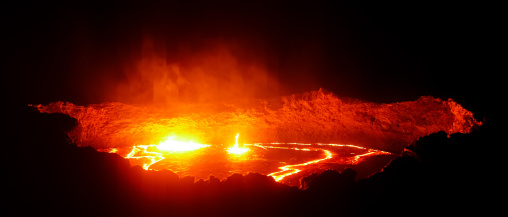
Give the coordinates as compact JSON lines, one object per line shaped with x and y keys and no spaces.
{"x":278,"y":160}
{"x":155,"y":153}
{"x":308,"y":129}
{"x":292,"y":169}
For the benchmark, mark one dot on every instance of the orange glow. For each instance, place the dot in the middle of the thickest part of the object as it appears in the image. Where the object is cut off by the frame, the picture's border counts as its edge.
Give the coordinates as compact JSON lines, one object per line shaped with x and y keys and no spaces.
{"x":221,"y":89}
{"x":236,"y":149}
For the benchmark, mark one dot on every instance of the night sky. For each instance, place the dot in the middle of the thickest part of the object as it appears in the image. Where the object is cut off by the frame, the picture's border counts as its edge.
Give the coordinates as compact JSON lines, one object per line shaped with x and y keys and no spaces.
{"x":380,"y":52}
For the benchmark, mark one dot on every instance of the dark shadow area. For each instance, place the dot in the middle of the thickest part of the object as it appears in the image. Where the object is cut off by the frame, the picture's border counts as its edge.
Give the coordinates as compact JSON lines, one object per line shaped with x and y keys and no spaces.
{"x":47,"y":175}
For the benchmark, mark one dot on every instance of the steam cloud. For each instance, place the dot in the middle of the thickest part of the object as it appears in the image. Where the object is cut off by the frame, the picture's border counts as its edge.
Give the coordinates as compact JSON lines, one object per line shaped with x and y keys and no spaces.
{"x":219,"y":71}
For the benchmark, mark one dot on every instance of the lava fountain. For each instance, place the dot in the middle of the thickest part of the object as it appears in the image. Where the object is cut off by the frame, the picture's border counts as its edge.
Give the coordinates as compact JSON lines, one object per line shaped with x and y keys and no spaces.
{"x":236,"y":149}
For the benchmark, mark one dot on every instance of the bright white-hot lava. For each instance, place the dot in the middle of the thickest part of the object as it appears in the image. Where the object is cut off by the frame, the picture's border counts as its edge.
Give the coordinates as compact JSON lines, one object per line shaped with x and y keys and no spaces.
{"x":171,"y":144}
{"x":236,"y":149}
{"x":155,"y":153}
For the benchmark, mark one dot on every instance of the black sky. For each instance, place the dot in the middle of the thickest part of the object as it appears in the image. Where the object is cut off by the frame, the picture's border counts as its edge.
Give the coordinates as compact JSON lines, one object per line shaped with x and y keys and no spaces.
{"x":381,"y":52}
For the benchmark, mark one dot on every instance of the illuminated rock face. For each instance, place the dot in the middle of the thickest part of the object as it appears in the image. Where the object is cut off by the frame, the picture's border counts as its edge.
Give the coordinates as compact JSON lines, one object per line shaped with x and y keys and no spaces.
{"x":313,"y":117}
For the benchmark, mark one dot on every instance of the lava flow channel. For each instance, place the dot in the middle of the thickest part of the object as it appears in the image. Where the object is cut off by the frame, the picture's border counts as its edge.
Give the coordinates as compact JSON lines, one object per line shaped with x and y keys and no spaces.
{"x":292,"y":169}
